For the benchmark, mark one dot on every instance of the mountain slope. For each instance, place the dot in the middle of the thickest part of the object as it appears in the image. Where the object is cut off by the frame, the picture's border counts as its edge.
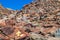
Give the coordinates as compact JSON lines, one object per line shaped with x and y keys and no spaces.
{"x":38,"y":20}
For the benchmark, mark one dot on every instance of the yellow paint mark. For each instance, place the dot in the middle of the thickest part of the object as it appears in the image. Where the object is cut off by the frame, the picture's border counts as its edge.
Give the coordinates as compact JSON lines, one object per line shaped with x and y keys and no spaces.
{"x":18,"y":33}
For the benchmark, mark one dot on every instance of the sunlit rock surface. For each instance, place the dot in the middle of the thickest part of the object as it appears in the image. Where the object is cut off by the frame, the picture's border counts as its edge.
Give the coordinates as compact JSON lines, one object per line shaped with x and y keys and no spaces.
{"x":39,"y":20}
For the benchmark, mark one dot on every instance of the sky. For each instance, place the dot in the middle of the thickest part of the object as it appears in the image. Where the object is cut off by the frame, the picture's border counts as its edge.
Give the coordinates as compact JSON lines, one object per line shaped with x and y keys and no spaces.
{"x":14,"y":4}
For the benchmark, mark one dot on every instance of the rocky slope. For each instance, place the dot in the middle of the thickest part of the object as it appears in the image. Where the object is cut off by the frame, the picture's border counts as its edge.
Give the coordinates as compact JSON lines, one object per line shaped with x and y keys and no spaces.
{"x":39,"y":20}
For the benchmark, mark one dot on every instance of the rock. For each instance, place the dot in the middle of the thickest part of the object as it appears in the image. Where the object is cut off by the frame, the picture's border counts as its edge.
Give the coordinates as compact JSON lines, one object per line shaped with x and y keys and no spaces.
{"x":37,"y":20}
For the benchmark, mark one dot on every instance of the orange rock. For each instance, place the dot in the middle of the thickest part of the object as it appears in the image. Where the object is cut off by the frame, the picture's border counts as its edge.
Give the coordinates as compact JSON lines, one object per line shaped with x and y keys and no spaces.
{"x":2,"y":23}
{"x":50,"y":30}
{"x":22,"y":35}
{"x":3,"y":37}
{"x":18,"y":33}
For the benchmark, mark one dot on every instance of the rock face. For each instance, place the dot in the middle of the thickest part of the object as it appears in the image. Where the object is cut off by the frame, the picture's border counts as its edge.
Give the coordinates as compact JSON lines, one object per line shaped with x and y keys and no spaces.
{"x":38,"y":20}
{"x":58,"y":33}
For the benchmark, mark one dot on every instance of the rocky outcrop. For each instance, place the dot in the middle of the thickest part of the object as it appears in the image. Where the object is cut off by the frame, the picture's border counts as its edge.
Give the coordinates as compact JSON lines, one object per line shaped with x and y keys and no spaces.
{"x":38,"y":20}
